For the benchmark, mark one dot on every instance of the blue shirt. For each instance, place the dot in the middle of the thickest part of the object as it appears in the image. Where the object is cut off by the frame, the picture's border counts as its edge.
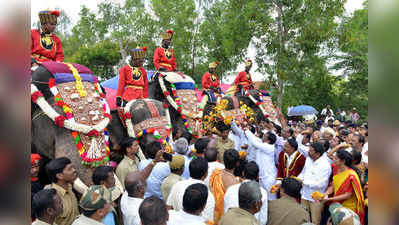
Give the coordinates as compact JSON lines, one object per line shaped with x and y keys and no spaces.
{"x":154,"y":181}
{"x":109,"y":219}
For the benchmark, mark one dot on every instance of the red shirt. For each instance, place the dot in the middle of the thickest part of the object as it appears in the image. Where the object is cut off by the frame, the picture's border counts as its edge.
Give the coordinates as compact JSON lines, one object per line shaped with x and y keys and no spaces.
{"x":131,"y":85}
{"x":294,"y":169}
{"x":167,"y":61}
{"x":42,"y":50}
{"x":244,"y":79}
{"x":209,"y":80}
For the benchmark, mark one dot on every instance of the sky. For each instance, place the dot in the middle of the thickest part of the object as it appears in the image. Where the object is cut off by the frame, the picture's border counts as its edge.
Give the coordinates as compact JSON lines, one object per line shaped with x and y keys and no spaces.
{"x":72,"y":8}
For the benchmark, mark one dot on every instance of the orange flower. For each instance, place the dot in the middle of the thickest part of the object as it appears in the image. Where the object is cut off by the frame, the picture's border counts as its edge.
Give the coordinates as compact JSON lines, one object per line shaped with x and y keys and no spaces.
{"x":317,"y":195}
{"x":274,"y":189}
{"x":242,"y":154}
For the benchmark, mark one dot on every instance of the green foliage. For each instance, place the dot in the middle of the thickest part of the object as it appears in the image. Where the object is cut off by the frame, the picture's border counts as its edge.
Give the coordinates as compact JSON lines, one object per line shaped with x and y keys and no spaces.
{"x":352,"y":42}
{"x":100,"y":58}
{"x":228,"y":29}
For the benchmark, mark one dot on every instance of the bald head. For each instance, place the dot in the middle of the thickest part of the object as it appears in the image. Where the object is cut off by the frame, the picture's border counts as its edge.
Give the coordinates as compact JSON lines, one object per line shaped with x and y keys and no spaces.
{"x":135,"y":184}
{"x":211,"y":154}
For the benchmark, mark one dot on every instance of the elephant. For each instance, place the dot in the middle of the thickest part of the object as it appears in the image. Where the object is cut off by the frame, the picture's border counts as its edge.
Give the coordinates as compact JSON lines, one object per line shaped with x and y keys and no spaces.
{"x":185,"y":91}
{"x":48,"y":139}
{"x":52,"y":141}
{"x":237,"y":100}
{"x":140,"y":110}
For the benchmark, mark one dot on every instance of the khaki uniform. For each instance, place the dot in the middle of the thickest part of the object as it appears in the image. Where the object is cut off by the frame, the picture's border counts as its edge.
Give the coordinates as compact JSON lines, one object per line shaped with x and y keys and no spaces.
{"x":223,"y":145}
{"x":168,"y":183}
{"x":126,"y":166}
{"x":286,"y":211}
{"x":69,"y":202}
{"x":315,"y":209}
{"x":238,"y":216}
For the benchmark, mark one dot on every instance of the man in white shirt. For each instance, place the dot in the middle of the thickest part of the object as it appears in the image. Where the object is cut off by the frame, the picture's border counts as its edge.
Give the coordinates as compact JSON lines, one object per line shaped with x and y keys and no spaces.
{"x":265,"y":159}
{"x":303,"y":141}
{"x":243,"y":142}
{"x":325,"y":110}
{"x":194,"y":202}
{"x":314,"y":176}
{"x":133,"y":196}
{"x":198,"y":172}
{"x":211,"y":157}
{"x":251,"y":172}
{"x":160,"y":171}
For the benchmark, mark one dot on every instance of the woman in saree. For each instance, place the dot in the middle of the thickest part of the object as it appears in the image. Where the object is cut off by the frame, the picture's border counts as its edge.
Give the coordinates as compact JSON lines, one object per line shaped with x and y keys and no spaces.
{"x":346,"y":185}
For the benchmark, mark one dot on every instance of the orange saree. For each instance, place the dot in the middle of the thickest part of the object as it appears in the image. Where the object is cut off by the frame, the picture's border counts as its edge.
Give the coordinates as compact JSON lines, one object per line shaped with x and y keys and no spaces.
{"x":218,"y":190}
{"x":348,"y":181}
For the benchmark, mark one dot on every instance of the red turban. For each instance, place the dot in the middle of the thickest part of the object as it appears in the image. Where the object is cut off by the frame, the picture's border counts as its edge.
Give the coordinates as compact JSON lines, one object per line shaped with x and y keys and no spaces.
{"x":34,"y":158}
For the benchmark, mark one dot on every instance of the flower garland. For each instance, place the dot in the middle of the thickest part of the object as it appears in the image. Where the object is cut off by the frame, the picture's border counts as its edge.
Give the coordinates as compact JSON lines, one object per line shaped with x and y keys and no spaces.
{"x":78,"y":79}
{"x":218,"y":114}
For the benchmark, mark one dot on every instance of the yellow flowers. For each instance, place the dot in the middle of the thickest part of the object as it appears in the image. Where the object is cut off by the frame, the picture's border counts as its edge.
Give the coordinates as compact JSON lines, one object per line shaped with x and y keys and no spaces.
{"x":242,"y":154}
{"x":274,"y":189}
{"x":247,"y":112}
{"x":78,"y":78}
{"x":168,"y":148}
{"x":317,"y":195}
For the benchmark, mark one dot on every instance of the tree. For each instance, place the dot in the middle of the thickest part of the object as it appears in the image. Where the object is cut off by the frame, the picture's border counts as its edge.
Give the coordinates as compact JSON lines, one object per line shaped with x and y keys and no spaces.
{"x":100,"y":57}
{"x":294,"y":45}
{"x":352,"y":57}
{"x":228,"y":29}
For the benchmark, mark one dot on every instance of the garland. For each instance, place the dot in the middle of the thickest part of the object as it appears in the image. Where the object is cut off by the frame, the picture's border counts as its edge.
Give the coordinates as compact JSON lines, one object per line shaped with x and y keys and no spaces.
{"x":78,"y":79}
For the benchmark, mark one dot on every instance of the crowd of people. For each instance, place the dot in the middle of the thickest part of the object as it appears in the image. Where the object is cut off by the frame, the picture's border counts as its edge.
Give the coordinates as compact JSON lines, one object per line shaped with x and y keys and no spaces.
{"x":290,"y":173}
{"x":275,"y":173}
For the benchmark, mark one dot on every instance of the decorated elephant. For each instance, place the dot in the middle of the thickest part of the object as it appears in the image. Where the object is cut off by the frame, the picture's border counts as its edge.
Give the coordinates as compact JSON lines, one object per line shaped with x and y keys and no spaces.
{"x":145,"y":119}
{"x":70,"y":116}
{"x":177,"y":91}
{"x":260,"y":103}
